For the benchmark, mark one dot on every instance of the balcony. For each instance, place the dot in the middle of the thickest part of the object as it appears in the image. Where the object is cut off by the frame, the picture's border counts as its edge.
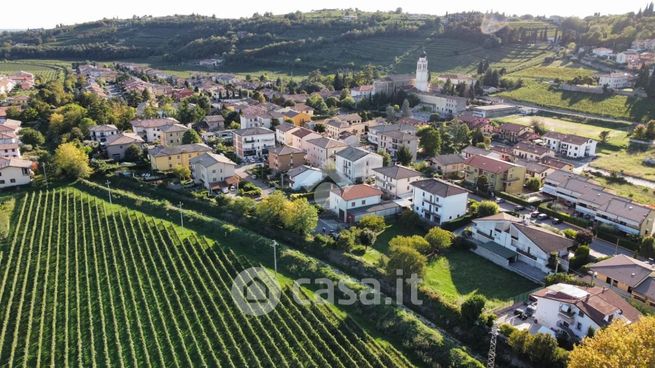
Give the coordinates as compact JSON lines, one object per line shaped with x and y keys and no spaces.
{"x":567,"y":316}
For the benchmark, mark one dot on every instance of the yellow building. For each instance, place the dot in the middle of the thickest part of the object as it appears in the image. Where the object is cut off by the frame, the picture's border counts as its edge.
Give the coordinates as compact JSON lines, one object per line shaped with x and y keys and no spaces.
{"x":502,"y":176}
{"x":167,"y":158}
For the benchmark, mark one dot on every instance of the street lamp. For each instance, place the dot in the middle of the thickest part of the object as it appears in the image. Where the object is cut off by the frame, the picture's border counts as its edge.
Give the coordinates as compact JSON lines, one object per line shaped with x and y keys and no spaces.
{"x":275,"y":256}
{"x":109,"y":190}
{"x":181,"y":216}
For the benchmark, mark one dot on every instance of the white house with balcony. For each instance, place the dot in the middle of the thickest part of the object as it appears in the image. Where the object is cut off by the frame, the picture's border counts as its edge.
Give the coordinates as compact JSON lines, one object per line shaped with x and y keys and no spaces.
{"x":579,"y":311}
{"x":150,"y":129}
{"x":395,"y":180}
{"x":100,"y":133}
{"x":211,"y":170}
{"x":570,"y":145}
{"x":253,"y":142}
{"x":438,"y":201}
{"x":357,"y":164}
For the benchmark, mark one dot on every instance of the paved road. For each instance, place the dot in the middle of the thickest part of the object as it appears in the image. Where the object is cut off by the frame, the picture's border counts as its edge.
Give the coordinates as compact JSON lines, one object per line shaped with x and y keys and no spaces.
{"x":242,"y":172}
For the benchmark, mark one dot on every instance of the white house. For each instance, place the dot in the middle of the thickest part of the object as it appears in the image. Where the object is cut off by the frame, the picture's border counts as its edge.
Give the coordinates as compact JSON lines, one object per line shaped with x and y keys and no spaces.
{"x":255,"y":116}
{"x":304,"y":177}
{"x":615,"y":80}
{"x":374,"y":132}
{"x":602,"y":52}
{"x":395,"y":180}
{"x":99,"y":133}
{"x":253,"y":142}
{"x":299,"y":137}
{"x":393,"y":141}
{"x":321,"y":152}
{"x":520,"y":241}
{"x":569,"y":145}
{"x":15,"y":171}
{"x":357,"y":164}
{"x":445,"y":105}
{"x":150,"y":129}
{"x":211,"y":170}
{"x":627,"y":56}
{"x":353,"y":197}
{"x":283,"y":133}
{"x":438,"y":201}
{"x":9,"y":150}
{"x":581,"y":310}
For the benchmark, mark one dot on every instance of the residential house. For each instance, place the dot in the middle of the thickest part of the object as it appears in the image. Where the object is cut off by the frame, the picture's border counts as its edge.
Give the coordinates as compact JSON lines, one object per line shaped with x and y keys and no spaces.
{"x":456,"y":79}
{"x":100,"y":133}
{"x":513,"y":132}
{"x":167,"y":158}
{"x":531,"y":152}
{"x":438,"y":201}
{"x":627,"y":56}
{"x":444,"y":105}
{"x":393,"y":141}
{"x":344,"y":200}
{"x":602,"y":52}
{"x":321,"y":152}
{"x":592,"y":200}
{"x":15,"y":171}
{"x":395,"y":180}
{"x":334,"y":128}
{"x":116,"y":145}
{"x":535,"y":169}
{"x":557,"y":164}
{"x":211,"y":123}
{"x":257,"y":116}
{"x":375,"y":131}
{"x":570,"y":145}
{"x":9,"y":150}
{"x":633,"y":276}
{"x":171,"y":135}
{"x":357,"y":164}
{"x":579,"y":311}
{"x":301,"y":107}
{"x":300,"y":136}
{"x":150,"y":129}
{"x":253,"y":142}
{"x":283,"y":133}
{"x":615,"y":80}
{"x":212,"y":170}
{"x":283,"y":158}
{"x":501,"y":176}
{"x":304,"y":177}
{"x":361,"y":92}
{"x":505,"y":240}
{"x":448,"y":164}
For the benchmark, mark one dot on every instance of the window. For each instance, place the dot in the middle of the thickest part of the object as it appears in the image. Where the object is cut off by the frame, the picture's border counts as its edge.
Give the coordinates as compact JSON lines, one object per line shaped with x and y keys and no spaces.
{"x":352,"y":204}
{"x":12,"y":180}
{"x":2,"y":181}
{"x":578,"y":326}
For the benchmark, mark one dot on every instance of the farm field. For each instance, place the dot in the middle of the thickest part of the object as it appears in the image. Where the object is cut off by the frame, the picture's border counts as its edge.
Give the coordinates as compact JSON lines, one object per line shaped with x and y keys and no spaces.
{"x":637,"y":193}
{"x":458,"y":273}
{"x":628,"y":162}
{"x":620,"y":107}
{"x":89,"y":284}
{"x":46,"y":69}
{"x":555,"y":70}
{"x":617,"y":137}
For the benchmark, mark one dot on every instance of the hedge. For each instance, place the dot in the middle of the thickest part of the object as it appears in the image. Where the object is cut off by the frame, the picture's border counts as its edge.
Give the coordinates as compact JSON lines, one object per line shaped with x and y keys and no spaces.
{"x":612,"y":238}
{"x":578,"y":221}
{"x":457,"y":223}
{"x":514,"y":199}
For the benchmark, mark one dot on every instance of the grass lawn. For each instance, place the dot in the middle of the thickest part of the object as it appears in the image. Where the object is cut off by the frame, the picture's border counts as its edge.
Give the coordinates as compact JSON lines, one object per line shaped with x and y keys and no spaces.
{"x":458,"y":273}
{"x":618,"y":137}
{"x":621,"y":107}
{"x":630,"y":162}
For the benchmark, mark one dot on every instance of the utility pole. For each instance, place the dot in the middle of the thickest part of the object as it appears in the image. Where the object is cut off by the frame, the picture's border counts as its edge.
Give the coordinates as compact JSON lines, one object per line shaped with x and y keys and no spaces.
{"x":491,"y":358}
{"x":275,"y":256}
{"x":181,"y":216}
{"x":109,"y":190}
{"x":45,"y":175}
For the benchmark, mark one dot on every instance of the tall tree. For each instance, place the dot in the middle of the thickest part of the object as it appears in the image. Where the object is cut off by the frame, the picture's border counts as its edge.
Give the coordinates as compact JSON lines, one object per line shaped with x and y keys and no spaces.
{"x":404,"y":155}
{"x":429,"y":140}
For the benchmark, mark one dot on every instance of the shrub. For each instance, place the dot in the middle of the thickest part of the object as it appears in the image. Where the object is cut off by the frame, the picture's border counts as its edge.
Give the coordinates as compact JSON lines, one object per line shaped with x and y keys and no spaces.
{"x":472,"y":308}
{"x":374,"y":223}
{"x":561,"y":277}
{"x":487,"y":208}
{"x":405,"y":259}
{"x":439,"y":240}
{"x":569,"y":233}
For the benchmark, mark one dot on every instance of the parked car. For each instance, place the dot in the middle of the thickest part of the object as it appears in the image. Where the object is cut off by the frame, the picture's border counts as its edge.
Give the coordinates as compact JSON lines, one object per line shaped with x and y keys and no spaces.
{"x":531,"y":309}
{"x":519,"y":208}
{"x":557,"y":220}
{"x":521,"y":313}
{"x":542,"y":216}
{"x":534,"y":214}
{"x":500,"y":200}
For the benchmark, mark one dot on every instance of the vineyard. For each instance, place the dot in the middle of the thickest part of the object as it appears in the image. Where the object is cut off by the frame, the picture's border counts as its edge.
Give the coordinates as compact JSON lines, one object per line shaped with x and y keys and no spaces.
{"x":87,"y":284}
{"x":45,"y":69}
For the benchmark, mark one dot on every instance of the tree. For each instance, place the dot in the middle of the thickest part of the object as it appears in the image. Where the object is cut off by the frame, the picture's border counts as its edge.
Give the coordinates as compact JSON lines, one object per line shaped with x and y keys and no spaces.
{"x":604,"y":135}
{"x":439,"y":240}
{"x":415,"y":242}
{"x":390,"y":112}
{"x":182,"y":172}
{"x":487,"y":208}
{"x":429,"y":140}
{"x":374,"y":223}
{"x":584,"y":237}
{"x":300,"y":216}
{"x":72,"y":161}
{"x":386,"y":157}
{"x":404,"y":156}
{"x":191,"y":136}
{"x":271,"y":209}
{"x":405,"y":110}
{"x":347,"y":239}
{"x":133,"y":153}
{"x":472,"y":308}
{"x":482,"y":183}
{"x":405,"y":259}
{"x":534,"y":184}
{"x":617,"y":346}
{"x":31,"y":136}
{"x":367,"y":237}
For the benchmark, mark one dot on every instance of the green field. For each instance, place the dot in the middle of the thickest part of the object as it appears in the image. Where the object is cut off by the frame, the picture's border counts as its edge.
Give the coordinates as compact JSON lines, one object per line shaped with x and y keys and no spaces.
{"x":628,"y":162}
{"x":555,"y":70}
{"x":635,"y":192}
{"x":458,"y":273}
{"x":85,"y":283}
{"x":620,"y":107}
{"x":46,"y":69}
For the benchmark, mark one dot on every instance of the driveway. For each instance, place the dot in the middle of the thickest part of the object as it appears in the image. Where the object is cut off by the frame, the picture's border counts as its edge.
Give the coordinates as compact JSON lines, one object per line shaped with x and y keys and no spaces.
{"x":242,"y":172}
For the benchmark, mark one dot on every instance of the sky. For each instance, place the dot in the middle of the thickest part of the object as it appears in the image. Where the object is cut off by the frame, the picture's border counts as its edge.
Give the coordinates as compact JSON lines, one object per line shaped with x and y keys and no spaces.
{"x":48,"y":13}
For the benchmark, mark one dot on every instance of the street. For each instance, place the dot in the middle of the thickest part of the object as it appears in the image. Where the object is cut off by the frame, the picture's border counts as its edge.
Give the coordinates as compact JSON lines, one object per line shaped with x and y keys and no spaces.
{"x":242,"y":172}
